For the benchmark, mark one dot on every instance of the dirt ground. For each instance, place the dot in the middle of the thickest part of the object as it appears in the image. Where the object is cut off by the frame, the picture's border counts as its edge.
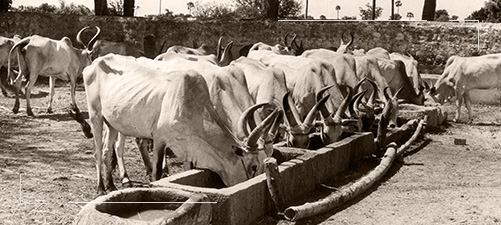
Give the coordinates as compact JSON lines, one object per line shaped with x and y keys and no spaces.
{"x":47,"y":164}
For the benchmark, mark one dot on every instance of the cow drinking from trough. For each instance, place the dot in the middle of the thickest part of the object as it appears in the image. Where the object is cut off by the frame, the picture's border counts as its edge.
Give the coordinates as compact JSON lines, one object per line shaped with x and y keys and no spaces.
{"x":138,"y":100}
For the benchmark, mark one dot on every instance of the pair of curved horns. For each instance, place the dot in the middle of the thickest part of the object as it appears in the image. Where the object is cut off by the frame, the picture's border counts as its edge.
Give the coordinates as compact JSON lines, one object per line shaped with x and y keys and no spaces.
{"x":247,"y":117}
{"x":92,"y":40}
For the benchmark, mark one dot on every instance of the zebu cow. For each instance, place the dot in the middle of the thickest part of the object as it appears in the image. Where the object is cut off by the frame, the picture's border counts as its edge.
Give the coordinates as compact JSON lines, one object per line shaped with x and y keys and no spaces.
{"x":463,"y":74}
{"x":344,"y":65}
{"x":57,"y":59}
{"x":411,"y":68}
{"x":394,"y":73}
{"x":305,"y":78}
{"x":5,"y":46}
{"x":140,"y":101}
{"x":266,"y":84}
{"x":202,"y":50}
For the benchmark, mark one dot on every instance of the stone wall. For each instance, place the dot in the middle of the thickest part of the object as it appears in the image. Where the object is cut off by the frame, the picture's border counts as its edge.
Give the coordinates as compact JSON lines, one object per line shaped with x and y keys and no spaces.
{"x":431,"y":43}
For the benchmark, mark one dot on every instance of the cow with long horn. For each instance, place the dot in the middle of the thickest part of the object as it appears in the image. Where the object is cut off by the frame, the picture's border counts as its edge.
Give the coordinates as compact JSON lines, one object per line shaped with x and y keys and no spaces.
{"x":298,"y":132}
{"x":343,"y":47}
{"x":333,"y":125}
{"x":104,"y":47}
{"x":57,"y":59}
{"x":131,"y":95}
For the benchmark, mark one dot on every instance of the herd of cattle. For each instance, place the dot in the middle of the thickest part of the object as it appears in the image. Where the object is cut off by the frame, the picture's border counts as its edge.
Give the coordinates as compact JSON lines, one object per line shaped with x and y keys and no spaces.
{"x":224,"y":112}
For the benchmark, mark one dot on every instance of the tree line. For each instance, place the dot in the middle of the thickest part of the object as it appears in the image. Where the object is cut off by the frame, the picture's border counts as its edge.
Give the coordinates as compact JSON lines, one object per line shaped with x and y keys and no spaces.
{"x":251,"y":9}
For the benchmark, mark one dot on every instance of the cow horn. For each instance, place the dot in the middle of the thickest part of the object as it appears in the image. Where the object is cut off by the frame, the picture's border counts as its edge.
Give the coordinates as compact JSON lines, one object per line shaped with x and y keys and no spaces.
{"x":323,"y":110}
{"x":195,"y":45}
{"x":218,"y":51}
{"x":288,"y":111}
{"x":225,"y":57}
{"x":387,"y":93}
{"x":94,"y":39}
{"x":351,"y":41}
{"x":342,"y":108}
{"x":259,"y":130}
{"x":79,"y":36}
{"x":276,"y":124}
{"x":398,"y":92}
{"x":370,"y":103}
{"x":242,"y":122}
{"x":353,"y":107}
{"x":342,"y":38}
{"x":357,"y":86}
{"x":313,"y":112}
{"x":285,"y":39}
{"x":293,"y":40}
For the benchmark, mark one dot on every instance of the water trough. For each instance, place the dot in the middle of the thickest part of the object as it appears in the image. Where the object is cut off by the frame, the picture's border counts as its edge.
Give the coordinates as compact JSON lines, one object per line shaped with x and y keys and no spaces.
{"x":146,"y":206}
{"x":301,"y":171}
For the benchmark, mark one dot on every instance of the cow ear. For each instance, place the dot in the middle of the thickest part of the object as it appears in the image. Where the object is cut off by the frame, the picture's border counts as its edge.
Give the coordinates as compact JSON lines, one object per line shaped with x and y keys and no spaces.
{"x":238,"y":150}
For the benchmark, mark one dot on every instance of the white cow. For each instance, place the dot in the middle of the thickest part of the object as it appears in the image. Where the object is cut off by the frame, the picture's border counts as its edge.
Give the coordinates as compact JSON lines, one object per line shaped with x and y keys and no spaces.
{"x":138,"y":100}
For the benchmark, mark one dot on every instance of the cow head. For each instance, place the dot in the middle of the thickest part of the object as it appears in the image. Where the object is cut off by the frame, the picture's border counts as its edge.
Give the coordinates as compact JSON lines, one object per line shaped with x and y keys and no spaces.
{"x":224,"y":55}
{"x":343,"y":47}
{"x":443,"y":90}
{"x":293,"y":47}
{"x":298,"y":133}
{"x":87,"y":51}
{"x":333,"y":125}
{"x":257,"y":139}
{"x":393,"y":101}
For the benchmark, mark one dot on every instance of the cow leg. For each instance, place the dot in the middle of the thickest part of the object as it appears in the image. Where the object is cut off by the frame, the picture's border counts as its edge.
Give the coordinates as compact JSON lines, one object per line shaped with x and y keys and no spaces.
{"x":142,"y":145}
{"x":126,"y":182}
{"x":28,"y":88}
{"x":467,"y":103}
{"x":158,"y":157}
{"x":52,"y":82}
{"x":459,"y":103}
{"x":96,"y":120}
{"x":16,"y":92}
{"x":108,"y":148}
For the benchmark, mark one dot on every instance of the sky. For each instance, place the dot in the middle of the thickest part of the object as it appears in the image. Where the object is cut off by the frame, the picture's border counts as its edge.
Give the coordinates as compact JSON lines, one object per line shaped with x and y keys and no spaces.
{"x":316,"y":7}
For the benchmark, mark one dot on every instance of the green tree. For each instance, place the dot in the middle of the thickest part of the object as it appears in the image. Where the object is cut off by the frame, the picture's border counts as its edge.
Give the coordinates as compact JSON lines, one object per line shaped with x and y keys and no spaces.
{"x":429,"y":10}
{"x":396,"y":16}
{"x":490,"y":12}
{"x":338,"y":8}
{"x":267,"y":8}
{"x":366,"y":14}
{"x":5,"y":5}
{"x":190,"y":6}
{"x":441,"y":15}
{"x":398,"y":3}
{"x":349,"y":18}
{"x":116,"y":8}
{"x":289,"y":9}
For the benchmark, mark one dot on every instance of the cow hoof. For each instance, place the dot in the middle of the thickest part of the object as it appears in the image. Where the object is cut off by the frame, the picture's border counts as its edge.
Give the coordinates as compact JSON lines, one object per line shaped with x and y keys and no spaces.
{"x":49,"y":111}
{"x":100,"y":192}
{"x":30,"y":113}
{"x":126,"y":183}
{"x":15,"y":110}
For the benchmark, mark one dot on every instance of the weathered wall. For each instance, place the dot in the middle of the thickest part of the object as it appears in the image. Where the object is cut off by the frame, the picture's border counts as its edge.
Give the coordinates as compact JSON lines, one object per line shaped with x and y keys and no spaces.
{"x":429,"y":42}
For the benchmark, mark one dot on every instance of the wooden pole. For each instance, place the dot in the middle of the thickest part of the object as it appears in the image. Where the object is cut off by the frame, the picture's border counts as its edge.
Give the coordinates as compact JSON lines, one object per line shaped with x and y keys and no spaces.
{"x":274,"y":182}
{"x":337,"y":198}
{"x":306,"y":12}
{"x":373,"y":9}
{"x":392,"y":9}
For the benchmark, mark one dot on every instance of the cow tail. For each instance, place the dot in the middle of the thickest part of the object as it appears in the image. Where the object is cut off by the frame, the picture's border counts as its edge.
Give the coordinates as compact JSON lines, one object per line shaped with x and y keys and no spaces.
{"x":19,"y":44}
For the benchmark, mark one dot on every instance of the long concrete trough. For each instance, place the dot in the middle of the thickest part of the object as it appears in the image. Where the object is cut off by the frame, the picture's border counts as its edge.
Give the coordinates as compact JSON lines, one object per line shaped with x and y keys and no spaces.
{"x":245,"y":202}
{"x":301,"y":171}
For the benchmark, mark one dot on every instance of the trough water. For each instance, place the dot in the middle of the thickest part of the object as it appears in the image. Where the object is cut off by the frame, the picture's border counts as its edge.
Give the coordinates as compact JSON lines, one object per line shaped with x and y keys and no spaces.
{"x":148,"y":214}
